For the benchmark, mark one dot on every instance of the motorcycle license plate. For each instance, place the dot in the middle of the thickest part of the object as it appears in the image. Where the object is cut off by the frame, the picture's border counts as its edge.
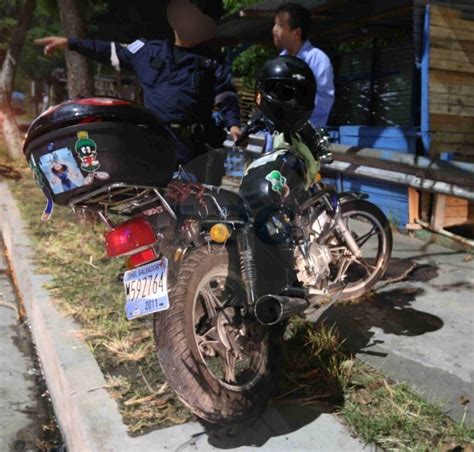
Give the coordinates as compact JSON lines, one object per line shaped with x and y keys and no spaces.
{"x":146,"y":289}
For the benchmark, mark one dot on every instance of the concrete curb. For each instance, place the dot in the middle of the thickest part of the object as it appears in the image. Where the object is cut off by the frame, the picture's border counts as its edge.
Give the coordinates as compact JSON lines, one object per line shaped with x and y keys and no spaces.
{"x":88,"y":416}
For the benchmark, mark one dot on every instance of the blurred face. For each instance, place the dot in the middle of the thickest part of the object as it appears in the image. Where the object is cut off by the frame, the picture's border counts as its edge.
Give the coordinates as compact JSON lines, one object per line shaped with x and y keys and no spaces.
{"x":283,"y":36}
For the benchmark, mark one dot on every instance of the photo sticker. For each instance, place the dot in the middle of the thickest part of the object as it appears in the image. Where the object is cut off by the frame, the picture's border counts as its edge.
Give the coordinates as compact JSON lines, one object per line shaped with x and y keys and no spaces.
{"x":61,"y":171}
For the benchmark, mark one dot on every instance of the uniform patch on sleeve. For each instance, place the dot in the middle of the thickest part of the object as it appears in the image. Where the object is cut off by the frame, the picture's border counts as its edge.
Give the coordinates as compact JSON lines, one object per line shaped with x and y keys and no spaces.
{"x":135,"y":46}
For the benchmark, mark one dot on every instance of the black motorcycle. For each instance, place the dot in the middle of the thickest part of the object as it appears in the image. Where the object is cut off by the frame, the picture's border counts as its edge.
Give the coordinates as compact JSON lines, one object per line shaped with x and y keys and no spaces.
{"x":220,"y":270}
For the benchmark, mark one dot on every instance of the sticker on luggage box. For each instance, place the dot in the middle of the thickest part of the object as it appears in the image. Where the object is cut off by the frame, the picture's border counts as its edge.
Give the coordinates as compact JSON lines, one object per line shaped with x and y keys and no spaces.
{"x":61,"y":171}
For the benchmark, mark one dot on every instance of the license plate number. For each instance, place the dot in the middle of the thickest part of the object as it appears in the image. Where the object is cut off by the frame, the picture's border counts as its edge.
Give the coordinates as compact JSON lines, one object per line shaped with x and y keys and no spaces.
{"x":146,"y":289}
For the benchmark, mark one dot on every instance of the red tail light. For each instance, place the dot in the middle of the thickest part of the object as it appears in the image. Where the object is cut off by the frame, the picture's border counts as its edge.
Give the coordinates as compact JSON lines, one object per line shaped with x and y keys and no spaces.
{"x":143,"y":257}
{"x":129,"y":237}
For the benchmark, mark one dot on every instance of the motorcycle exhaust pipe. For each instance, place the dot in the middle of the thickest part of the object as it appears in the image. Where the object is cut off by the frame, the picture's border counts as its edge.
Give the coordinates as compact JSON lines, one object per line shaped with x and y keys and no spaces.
{"x":273,"y":309}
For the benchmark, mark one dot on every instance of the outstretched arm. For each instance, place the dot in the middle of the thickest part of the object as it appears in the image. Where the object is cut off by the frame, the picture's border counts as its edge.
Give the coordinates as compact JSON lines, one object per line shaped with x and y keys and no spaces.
{"x":98,"y":50}
{"x":52,"y":43}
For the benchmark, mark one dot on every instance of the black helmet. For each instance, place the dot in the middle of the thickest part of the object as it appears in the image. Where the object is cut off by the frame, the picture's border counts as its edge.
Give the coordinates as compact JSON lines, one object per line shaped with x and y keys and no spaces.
{"x":285,"y":92}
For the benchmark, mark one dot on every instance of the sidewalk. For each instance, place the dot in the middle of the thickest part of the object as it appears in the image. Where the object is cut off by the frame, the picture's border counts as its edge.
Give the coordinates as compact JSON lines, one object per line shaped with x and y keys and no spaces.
{"x":420,"y":330}
{"x":89,"y":418}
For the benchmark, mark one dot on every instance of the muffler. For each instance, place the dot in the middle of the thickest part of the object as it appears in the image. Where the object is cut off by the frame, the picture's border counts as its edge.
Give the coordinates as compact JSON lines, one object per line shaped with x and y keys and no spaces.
{"x":273,"y":309}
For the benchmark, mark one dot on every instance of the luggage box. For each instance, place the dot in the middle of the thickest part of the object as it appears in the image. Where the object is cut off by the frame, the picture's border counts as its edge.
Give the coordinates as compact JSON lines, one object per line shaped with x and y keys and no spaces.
{"x":84,"y":144}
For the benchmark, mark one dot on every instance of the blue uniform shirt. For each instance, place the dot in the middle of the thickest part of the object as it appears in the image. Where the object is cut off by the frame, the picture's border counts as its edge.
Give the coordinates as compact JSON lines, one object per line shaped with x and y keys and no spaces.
{"x":321,"y":66}
{"x":178,"y":90}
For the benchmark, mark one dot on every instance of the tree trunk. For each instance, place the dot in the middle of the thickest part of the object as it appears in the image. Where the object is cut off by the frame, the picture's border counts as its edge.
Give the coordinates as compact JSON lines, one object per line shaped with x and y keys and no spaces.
{"x":80,"y":82}
{"x":8,"y":123}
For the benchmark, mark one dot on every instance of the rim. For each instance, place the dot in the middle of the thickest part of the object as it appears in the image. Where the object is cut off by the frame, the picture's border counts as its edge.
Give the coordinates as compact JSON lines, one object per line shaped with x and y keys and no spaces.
{"x":369,"y":235}
{"x":232,"y":347}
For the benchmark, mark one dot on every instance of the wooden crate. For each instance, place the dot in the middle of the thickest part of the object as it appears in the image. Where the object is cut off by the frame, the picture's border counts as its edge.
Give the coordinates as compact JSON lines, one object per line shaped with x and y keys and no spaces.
{"x":449,"y":211}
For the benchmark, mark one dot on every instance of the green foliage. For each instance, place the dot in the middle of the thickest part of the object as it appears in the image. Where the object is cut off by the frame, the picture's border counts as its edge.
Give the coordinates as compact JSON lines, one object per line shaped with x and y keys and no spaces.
{"x":249,"y":62}
{"x":8,"y":21}
{"x":34,"y":65}
{"x":234,"y":6}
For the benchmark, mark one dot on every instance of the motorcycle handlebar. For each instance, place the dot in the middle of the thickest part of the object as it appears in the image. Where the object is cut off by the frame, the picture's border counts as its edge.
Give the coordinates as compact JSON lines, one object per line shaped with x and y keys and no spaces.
{"x":252,"y":126}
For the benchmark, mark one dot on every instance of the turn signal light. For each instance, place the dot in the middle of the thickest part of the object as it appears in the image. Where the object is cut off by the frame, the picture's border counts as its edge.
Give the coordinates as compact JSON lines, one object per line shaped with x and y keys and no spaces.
{"x":129,"y":237}
{"x":219,"y":233}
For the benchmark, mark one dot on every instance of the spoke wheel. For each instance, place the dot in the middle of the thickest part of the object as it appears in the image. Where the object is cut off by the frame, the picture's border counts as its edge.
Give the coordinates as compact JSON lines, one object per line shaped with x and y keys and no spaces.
{"x":220,"y":361}
{"x":371,"y":231}
{"x":231,"y":345}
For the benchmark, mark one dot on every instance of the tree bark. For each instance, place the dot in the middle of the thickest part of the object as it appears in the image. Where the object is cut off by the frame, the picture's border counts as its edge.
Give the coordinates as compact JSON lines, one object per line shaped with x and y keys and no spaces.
{"x":80,"y":82}
{"x":13,"y":137}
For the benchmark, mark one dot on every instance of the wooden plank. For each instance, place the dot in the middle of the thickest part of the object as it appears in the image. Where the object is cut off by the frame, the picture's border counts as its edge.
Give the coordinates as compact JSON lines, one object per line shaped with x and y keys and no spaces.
{"x":452,"y":55}
{"x":451,"y":44}
{"x":451,"y":109}
{"x":457,"y":66}
{"x":463,"y":149}
{"x":451,"y":122}
{"x":437,"y":218}
{"x":413,"y":205}
{"x":445,"y":12}
{"x":452,"y":99}
{"x":444,"y":88}
{"x":441,"y":32}
{"x":451,"y":77}
{"x":456,"y":212}
{"x":452,"y":138}
{"x":456,"y":222}
{"x":451,"y":201}
{"x":445,"y":21}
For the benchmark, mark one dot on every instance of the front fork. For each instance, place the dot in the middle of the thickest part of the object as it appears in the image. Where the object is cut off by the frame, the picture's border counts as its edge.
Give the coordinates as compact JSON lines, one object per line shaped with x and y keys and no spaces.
{"x":333,"y":205}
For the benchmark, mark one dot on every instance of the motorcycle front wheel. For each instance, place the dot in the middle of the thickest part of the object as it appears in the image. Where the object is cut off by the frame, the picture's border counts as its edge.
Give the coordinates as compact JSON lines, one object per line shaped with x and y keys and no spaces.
{"x":371,"y":231}
{"x":218,"y":359}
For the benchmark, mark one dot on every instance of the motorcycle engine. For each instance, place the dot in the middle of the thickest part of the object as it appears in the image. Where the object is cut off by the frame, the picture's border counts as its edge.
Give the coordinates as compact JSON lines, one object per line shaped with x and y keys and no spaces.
{"x":312,"y":267}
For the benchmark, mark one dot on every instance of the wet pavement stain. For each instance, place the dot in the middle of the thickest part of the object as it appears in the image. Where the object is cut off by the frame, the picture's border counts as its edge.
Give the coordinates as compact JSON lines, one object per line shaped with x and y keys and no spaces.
{"x":424,"y":273}
{"x":455,"y":287}
{"x":389,"y":310}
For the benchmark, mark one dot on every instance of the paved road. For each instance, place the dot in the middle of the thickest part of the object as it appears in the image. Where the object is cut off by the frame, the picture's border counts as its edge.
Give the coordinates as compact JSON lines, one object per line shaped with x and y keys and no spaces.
{"x":22,"y":413}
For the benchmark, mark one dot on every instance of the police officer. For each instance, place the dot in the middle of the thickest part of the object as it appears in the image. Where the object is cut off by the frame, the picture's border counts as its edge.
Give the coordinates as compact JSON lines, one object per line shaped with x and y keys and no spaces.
{"x":181,"y":81}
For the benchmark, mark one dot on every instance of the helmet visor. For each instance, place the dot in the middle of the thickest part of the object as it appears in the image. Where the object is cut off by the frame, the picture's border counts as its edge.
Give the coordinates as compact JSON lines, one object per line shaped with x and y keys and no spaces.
{"x":281,"y":90}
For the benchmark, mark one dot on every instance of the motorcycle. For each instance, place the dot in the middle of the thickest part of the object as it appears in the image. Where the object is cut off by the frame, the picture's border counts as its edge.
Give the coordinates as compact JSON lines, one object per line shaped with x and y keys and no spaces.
{"x":221,"y":271}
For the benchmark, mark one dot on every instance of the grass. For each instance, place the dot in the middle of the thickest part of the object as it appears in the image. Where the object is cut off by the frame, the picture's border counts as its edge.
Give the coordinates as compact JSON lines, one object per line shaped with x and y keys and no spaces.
{"x":317,"y":367}
{"x":379,"y":411}
{"x":86,"y":286}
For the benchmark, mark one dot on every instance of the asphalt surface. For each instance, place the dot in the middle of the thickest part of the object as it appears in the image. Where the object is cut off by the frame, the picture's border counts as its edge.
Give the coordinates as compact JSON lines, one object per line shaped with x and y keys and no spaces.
{"x":25,"y":415}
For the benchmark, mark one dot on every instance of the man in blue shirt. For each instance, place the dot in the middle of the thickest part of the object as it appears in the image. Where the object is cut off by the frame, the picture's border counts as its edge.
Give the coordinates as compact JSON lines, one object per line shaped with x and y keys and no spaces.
{"x":181,"y":81}
{"x":290,"y":35}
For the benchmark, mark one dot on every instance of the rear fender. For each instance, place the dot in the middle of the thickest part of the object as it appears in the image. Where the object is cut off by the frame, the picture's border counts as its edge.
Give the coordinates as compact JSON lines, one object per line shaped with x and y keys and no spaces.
{"x":347,"y":196}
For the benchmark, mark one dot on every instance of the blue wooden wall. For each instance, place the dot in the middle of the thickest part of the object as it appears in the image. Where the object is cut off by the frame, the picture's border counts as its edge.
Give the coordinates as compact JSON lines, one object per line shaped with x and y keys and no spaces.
{"x":391,"y":198}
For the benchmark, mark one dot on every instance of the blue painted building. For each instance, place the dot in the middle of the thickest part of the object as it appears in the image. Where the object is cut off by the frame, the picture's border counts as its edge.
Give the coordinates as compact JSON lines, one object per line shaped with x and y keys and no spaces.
{"x":404,"y":82}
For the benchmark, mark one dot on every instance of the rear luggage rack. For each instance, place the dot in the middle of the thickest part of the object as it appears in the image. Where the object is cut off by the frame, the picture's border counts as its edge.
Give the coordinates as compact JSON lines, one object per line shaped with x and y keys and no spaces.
{"x":121,"y":199}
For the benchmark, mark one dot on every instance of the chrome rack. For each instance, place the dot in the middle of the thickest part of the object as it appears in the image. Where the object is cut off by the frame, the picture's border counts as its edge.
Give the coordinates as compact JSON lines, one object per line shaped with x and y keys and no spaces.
{"x":121,"y":199}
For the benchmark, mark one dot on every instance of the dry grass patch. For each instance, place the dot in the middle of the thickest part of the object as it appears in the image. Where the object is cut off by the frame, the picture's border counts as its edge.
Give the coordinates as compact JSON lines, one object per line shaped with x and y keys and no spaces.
{"x":85,"y":285}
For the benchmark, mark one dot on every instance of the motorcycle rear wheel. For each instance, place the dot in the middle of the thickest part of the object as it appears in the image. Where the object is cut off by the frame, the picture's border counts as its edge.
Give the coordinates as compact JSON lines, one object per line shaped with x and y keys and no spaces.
{"x":371,"y":231}
{"x":221,"y":363}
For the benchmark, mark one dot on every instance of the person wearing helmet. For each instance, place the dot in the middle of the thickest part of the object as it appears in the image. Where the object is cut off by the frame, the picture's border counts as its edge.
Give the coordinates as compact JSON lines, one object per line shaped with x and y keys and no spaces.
{"x":181,"y":82}
{"x":285,"y":92}
{"x":290,"y":35}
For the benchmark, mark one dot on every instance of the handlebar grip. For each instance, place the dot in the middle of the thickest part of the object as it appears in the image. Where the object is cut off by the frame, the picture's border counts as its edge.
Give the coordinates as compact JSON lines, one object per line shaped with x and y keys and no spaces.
{"x":244,"y":134}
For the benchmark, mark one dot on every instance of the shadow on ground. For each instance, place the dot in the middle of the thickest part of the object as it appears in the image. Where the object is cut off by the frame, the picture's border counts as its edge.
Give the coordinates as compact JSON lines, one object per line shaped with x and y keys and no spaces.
{"x":387,"y":309}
